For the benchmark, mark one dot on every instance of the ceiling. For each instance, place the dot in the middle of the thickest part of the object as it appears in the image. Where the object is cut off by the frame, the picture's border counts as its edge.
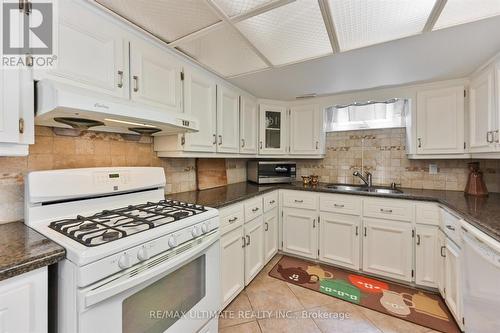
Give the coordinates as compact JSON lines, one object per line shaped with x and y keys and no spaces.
{"x":284,"y":48}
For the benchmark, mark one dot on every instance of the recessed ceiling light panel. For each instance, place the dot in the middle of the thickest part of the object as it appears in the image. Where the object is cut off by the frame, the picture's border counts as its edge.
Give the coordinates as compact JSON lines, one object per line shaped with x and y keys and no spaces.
{"x":238,"y":7}
{"x":457,"y":12}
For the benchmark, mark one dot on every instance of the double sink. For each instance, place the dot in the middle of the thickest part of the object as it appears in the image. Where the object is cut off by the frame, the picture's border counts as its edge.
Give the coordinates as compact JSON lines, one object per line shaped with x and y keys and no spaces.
{"x":363,"y":188}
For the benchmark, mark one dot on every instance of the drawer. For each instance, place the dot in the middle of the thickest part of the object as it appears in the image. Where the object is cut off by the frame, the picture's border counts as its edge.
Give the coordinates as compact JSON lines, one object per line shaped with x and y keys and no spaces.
{"x":253,"y":208}
{"x":387,"y":209}
{"x":450,"y":224}
{"x":300,"y":199}
{"x":231,"y":217}
{"x":270,"y":201}
{"x":427,"y":213}
{"x":338,"y":203}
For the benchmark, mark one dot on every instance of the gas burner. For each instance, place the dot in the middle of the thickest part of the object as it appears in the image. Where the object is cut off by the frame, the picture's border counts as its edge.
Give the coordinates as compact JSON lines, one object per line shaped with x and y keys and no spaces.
{"x":110,"y":235}
{"x":181,"y":214}
{"x":88,"y":226}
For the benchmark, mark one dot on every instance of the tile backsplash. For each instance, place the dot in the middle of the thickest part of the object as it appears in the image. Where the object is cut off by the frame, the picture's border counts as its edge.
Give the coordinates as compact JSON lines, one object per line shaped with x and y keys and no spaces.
{"x":92,"y":149}
{"x":382,"y":152}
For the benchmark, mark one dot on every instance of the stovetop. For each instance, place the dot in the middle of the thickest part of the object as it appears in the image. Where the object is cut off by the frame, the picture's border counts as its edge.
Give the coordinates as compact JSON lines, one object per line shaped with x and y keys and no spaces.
{"x":109,"y":225}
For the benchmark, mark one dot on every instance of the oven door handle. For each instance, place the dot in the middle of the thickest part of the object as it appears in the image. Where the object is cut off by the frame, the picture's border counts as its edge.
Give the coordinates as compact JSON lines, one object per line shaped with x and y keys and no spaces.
{"x":156,"y":267}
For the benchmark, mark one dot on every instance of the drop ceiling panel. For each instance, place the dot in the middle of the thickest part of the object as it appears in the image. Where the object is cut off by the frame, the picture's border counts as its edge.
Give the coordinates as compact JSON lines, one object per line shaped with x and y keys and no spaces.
{"x":238,"y":7}
{"x":291,"y":33}
{"x":167,"y":19}
{"x":366,"y":22}
{"x":225,"y":51}
{"x":458,"y":12}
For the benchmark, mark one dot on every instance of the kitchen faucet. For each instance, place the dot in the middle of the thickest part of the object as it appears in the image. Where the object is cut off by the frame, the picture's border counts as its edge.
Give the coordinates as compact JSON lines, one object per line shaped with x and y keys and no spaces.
{"x":367,"y":180}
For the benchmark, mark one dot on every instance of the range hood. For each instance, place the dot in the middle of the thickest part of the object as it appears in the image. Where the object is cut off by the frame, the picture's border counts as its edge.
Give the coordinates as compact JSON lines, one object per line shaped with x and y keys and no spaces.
{"x":61,"y":105}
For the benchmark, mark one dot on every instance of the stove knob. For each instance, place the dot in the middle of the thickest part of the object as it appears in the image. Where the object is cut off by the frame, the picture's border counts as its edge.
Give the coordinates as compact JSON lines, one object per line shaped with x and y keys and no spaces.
{"x":204,"y":228}
{"x":195,"y":232}
{"x":172,"y":242}
{"x":124,"y":261}
{"x":143,"y":254}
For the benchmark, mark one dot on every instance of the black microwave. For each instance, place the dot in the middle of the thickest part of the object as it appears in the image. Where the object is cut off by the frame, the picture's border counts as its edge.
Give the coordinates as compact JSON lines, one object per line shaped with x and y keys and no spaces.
{"x":271,"y":172}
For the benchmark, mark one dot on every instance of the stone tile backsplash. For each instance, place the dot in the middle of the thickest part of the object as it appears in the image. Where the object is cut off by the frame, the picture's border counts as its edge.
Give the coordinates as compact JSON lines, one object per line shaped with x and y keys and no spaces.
{"x":382,"y":152}
{"x":92,"y":149}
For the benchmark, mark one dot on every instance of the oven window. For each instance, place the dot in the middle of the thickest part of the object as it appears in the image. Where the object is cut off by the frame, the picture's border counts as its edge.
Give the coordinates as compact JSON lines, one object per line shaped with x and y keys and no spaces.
{"x":157,"y":307}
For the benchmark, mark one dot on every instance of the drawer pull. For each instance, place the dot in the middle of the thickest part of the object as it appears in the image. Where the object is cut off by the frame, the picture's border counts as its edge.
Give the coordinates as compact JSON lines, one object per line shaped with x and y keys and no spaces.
{"x":234,"y":219}
{"x":267,"y":227}
{"x":357,"y":230}
{"x":314,"y":223}
{"x":418,"y":239}
{"x":338,"y":206}
{"x":299,"y":201}
{"x":243,"y":238}
{"x":449,"y":227}
{"x":272,"y":202}
{"x":255,"y":209}
{"x":248,"y":240}
{"x":365,"y":231}
{"x":388,"y":211}
{"x":443,"y":254}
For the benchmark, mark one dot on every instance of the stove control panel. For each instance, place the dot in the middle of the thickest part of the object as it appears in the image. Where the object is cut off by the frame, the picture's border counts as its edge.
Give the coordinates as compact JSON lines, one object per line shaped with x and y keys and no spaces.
{"x":126,"y":259}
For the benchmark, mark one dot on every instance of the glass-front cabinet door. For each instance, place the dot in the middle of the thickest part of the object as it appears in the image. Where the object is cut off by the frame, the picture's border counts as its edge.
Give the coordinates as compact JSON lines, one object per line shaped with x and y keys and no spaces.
{"x":273,"y":130}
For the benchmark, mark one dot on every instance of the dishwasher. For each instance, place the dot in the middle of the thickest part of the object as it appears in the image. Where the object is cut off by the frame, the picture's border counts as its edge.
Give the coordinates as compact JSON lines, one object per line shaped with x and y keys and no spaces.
{"x":481,"y":263}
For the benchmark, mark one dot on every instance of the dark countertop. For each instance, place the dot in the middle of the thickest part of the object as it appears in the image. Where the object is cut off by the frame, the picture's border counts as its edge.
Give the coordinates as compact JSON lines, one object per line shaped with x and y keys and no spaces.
{"x":483,"y":213}
{"x":22,"y":249}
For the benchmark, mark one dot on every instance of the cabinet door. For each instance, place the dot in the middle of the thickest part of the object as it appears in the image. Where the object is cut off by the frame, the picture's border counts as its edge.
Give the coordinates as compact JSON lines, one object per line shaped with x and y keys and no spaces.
{"x":23,"y":303}
{"x":249,"y":122}
{"x":232,"y":265}
{"x":254,"y":248}
{"x":427,"y":269}
{"x":452,"y":281}
{"x":304,"y":130}
{"x":440,"y":121}
{"x":481,"y":112}
{"x":273,"y":124}
{"x":200,"y":93}
{"x":228,"y":122}
{"x":387,"y":248}
{"x":339,"y":241}
{"x":92,"y":51}
{"x":441,"y":262}
{"x":300,"y":232}
{"x":155,"y":76}
{"x":270,"y":234}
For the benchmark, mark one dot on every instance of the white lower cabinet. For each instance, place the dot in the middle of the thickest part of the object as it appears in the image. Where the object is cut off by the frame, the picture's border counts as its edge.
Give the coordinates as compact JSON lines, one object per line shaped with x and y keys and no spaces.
{"x":452,"y":280}
{"x":388,"y":248}
{"x":427,"y":256}
{"x":270,"y":234}
{"x":442,"y":254}
{"x":23,"y":303}
{"x":254,"y":248}
{"x":339,"y":240}
{"x":300,"y":232}
{"x":232,"y":267}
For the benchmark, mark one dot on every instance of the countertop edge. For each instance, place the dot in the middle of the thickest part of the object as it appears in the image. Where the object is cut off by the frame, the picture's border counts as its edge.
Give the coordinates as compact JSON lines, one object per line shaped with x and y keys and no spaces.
{"x":31,"y":265}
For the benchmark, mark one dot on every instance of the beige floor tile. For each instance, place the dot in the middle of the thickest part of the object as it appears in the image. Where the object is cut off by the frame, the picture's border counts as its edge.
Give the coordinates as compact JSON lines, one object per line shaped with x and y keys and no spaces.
{"x":239,"y":311}
{"x":310,"y":298}
{"x":295,"y":323}
{"x":390,"y":324}
{"x":272,"y":263}
{"x":342,"y":317}
{"x":251,"y":327}
{"x":269,"y":294}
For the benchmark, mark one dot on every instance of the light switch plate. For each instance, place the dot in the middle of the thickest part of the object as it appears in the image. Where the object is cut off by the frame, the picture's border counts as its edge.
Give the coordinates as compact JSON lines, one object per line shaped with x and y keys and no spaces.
{"x":433,"y":169}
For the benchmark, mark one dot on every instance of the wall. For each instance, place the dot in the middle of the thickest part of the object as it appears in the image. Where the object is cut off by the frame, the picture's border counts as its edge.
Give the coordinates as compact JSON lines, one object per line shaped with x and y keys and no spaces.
{"x":93,"y":149}
{"x":382,"y":152}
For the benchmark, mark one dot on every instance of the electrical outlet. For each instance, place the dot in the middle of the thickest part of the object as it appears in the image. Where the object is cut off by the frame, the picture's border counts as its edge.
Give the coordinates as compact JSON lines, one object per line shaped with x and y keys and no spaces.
{"x":433,"y":169}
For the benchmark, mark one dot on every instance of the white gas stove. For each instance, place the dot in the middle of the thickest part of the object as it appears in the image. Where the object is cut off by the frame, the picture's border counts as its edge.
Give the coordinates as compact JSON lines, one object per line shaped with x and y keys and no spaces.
{"x":126,"y":245}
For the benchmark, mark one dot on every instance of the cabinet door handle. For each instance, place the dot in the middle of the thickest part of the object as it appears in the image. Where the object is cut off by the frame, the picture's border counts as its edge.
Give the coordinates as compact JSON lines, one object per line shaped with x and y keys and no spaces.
{"x":357,"y":230}
{"x":388,"y":211}
{"x":215,"y":140}
{"x":21,"y":126}
{"x":248,"y":240}
{"x":419,"y":142}
{"x":496,"y":136}
{"x":365,"y":231}
{"x":120,"y":79}
{"x":260,"y":145}
{"x":299,"y":201}
{"x":255,"y":209}
{"x":220,"y":140}
{"x":314,"y":223}
{"x":136,"y":83}
{"x":443,"y":254}
{"x":338,"y":206}
{"x":242,"y":143}
{"x":317,"y":145}
{"x":489,"y":137}
{"x":234,"y":219}
{"x":244,"y":244}
{"x":418,"y":239}
{"x":449,"y":227}
{"x":271,"y":202}
{"x":267,"y":226}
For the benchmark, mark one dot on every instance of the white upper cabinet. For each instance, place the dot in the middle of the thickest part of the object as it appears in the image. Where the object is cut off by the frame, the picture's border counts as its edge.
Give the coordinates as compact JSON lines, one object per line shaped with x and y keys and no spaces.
{"x":249,"y":121}
{"x":92,"y":51}
{"x":482,"y":113}
{"x":228,"y":122}
{"x":273,"y":131}
{"x":440,"y":121}
{"x":200,"y":93}
{"x":305,"y":130}
{"x":155,"y":76}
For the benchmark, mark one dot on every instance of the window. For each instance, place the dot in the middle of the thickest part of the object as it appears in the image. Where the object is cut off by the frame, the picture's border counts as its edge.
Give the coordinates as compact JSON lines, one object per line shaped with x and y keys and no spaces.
{"x":367,"y":115}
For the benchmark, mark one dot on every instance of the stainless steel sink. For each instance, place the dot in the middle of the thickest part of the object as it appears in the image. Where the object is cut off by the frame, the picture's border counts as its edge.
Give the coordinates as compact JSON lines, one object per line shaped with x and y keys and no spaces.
{"x":363,"y":188}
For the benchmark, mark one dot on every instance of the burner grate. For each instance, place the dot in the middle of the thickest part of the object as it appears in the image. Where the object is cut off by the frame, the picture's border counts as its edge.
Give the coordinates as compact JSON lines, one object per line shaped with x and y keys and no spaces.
{"x":110,"y":225}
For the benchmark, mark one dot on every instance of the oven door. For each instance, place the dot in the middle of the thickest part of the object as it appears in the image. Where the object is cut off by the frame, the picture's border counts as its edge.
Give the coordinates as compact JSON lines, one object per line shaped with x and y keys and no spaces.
{"x":176,"y":291}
